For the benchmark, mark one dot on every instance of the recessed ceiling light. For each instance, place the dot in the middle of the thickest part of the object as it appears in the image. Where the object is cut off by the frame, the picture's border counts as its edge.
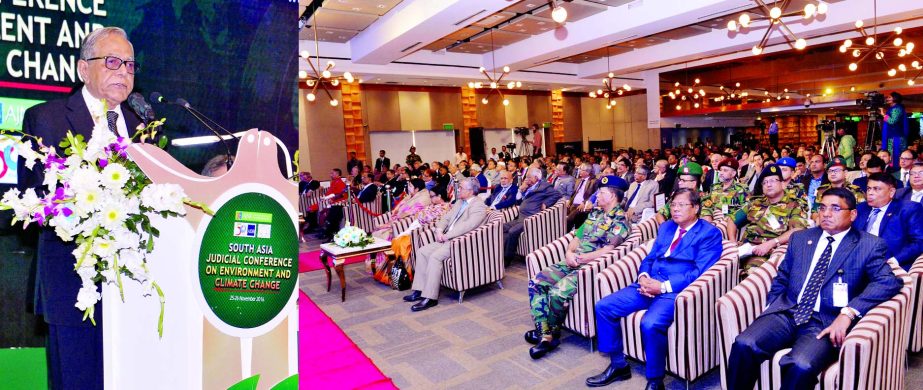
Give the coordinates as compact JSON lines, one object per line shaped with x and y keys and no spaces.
{"x":357,"y":9}
{"x":342,"y":37}
{"x":381,"y":6}
{"x":541,"y":23}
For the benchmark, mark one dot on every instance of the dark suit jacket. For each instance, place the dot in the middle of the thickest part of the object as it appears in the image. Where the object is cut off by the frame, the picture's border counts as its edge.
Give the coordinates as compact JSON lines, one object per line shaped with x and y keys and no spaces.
{"x":543,"y":194}
{"x":587,"y":192}
{"x":904,"y":194}
{"x":382,"y":164}
{"x":666,"y":184}
{"x":861,"y":257}
{"x":56,"y":283}
{"x":368,"y":194}
{"x":305,"y":186}
{"x":509,"y":198}
{"x":901,"y":227}
{"x":698,"y":250}
{"x":707,"y":180}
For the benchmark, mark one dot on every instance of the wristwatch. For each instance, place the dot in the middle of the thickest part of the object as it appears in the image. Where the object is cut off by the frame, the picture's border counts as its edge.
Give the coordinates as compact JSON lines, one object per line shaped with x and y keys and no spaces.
{"x":663,"y":288}
{"x":849,"y":313}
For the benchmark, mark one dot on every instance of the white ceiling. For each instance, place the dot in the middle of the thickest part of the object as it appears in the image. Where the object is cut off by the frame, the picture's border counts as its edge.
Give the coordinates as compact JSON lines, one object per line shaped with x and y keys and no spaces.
{"x":383,"y":41}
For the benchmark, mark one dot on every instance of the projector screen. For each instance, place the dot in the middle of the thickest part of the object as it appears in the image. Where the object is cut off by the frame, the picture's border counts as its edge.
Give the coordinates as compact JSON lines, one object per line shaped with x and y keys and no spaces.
{"x":431,"y":145}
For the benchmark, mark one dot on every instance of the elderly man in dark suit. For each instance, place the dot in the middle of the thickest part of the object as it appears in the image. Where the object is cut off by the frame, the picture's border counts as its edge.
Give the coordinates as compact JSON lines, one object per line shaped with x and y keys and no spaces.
{"x":898,"y":222}
{"x":504,"y":195}
{"x":685,"y":247}
{"x":107,"y":66}
{"x":369,"y":189}
{"x":831,"y":276}
{"x":535,"y":195}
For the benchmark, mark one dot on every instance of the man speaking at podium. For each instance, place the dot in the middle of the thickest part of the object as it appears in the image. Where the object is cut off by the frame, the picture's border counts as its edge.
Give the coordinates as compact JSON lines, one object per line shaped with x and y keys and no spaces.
{"x":107,"y":68}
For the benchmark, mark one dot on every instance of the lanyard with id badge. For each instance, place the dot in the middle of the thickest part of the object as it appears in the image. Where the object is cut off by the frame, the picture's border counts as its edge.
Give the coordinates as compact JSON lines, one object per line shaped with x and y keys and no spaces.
{"x":840,"y":291}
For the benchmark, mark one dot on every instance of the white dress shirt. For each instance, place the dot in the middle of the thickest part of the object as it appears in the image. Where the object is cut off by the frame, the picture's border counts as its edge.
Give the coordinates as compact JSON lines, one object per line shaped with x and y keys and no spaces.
{"x":499,"y":196}
{"x":818,"y":251}
{"x":578,"y":195}
{"x":874,"y":226}
{"x":916,"y":196}
{"x":666,"y":283}
{"x":96,"y":111}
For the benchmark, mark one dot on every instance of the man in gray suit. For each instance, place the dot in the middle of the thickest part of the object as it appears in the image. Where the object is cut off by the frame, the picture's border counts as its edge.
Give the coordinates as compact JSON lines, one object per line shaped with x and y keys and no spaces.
{"x":467,"y":214}
{"x":831,"y":276}
{"x":536,"y":195}
{"x":640,"y":194}
{"x":564,"y":182}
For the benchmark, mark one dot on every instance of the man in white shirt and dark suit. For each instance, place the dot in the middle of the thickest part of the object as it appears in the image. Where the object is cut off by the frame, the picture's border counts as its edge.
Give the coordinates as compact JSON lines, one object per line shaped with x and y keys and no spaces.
{"x":640,"y":194}
{"x":504,"y":195}
{"x":913,"y":192}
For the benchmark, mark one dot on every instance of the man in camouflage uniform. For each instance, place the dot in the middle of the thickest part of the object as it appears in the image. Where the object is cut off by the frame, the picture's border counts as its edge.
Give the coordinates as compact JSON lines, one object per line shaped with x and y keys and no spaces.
{"x":795,"y":188}
{"x":836,"y":174}
{"x":551,"y":291}
{"x":726,"y":197}
{"x":768,"y":220}
{"x":687,"y":176}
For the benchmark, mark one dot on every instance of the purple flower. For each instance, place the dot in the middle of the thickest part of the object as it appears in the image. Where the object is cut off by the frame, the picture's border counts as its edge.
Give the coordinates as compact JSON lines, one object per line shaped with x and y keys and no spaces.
{"x":54,"y":161}
{"x":119,"y":147}
{"x":102,"y":162}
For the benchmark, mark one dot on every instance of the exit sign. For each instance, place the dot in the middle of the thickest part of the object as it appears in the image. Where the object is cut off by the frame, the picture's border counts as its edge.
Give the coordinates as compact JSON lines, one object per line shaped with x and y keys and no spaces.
{"x":448,"y":126}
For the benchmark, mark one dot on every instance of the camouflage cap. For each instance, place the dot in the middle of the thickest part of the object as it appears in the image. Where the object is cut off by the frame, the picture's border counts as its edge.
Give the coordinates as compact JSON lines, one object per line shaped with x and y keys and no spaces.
{"x":614,"y":182}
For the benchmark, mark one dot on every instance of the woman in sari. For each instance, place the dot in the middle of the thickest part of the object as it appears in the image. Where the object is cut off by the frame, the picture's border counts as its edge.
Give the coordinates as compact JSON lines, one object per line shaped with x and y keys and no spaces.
{"x":402,"y":244}
{"x":417,"y":199}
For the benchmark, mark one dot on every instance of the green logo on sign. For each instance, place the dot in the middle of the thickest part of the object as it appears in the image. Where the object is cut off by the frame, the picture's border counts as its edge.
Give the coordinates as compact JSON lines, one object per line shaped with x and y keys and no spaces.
{"x":248,"y":265}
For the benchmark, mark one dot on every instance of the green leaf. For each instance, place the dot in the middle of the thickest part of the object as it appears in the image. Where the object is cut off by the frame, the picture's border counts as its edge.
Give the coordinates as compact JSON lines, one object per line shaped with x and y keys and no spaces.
{"x":162,"y":142}
{"x":290,"y":383}
{"x":246,"y":384}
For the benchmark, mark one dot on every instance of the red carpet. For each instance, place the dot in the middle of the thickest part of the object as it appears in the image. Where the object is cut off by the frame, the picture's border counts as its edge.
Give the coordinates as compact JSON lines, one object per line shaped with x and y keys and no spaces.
{"x":327,"y":358}
{"x":310,"y":261}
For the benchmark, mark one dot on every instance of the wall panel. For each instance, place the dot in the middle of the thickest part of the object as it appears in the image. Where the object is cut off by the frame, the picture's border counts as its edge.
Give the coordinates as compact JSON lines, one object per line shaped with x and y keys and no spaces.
{"x":414,"y":110}
{"x":381,"y":110}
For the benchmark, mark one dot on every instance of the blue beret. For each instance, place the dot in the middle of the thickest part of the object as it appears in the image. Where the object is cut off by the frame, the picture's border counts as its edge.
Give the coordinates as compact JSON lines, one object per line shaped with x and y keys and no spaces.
{"x":613,"y":182}
{"x":786,"y":162}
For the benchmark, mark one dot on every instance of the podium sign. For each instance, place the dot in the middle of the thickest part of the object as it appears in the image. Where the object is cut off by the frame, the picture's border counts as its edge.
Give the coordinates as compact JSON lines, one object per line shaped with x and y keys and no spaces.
{"x":230,"y":280}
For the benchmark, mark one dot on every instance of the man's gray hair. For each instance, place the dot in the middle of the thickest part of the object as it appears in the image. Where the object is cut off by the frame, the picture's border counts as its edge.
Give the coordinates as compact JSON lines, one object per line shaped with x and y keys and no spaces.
{"x":88,"y":47}
{"x":535,"y":173}
{"x":472,"y":184}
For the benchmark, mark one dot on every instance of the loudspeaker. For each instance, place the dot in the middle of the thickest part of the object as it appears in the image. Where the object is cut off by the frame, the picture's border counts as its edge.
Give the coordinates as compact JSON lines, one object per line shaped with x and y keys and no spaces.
{"x":476,"y":138}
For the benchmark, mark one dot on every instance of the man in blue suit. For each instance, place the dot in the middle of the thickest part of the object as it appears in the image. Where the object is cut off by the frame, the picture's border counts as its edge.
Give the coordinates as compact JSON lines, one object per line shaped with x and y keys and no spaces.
{"x":535,"y":195}
{"x":831,"y":276}
{"x":685,"y":247}
{"x":504,"y":195}
{"x":75,"y":352}
{"x":913,"y":192}
{"x":899,"y":223}
{"x":369,"y":190}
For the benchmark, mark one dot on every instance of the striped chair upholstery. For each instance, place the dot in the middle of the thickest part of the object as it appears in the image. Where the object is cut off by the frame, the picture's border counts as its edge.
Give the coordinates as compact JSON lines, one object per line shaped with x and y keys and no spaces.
{"x":361,"y":218}
{"x":510,"y":213}
{"x":647,"y":230}
{"x":543,"y":227}
{"x":916,"y":320}
{"x":692,"y":339}
{"x":476,"y":258}
{"x":581,"y":314}
{"x":872,"y":357}
{"x":722,"y":226}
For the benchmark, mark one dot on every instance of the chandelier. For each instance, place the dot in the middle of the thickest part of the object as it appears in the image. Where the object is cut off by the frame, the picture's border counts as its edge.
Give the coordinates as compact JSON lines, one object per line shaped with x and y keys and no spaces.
{"x":321,"y":78}
{"x":769,"y":96}
{"x":494,"y":80}
{"x":731,"y":93}
{"x":774,"y":14}
{"x":611,"y":91}
{"x":882,"y":49}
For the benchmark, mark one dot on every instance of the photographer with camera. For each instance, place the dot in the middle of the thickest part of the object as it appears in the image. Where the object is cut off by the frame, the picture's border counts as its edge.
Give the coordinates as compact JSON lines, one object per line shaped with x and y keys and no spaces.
{"x":894,"y":131}
{"x":847,"y":147}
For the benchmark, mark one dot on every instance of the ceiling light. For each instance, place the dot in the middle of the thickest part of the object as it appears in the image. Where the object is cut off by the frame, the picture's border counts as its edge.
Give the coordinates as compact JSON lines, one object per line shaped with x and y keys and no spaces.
{"x":317,"y":77}
{"x":559,"y":14}
{"x":891,"y":49}
{"x":776,"y":16}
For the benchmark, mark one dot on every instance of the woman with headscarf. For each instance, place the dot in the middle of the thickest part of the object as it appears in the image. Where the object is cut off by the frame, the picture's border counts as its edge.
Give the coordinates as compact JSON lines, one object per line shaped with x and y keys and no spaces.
{"x":418,"y":199}
{"x":402,"y":244}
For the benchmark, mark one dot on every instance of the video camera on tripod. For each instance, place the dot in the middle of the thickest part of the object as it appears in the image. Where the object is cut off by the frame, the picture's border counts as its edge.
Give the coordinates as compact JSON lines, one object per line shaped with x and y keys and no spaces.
{"x":873,"y":101}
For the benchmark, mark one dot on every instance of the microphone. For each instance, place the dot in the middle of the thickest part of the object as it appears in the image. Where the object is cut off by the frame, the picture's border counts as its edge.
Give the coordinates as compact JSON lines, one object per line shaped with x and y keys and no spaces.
{"x":141,"y":107}
{"x":157,"y":97}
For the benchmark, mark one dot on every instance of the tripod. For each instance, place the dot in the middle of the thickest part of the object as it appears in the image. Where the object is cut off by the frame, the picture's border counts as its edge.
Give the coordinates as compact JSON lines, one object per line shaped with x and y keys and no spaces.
{"x":874,"y":132}
{"x":525,"y":147}
{"x":829,"y":148}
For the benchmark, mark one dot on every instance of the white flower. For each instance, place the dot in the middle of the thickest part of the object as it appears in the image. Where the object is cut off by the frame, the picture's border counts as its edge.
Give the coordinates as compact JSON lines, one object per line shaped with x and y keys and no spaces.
{"x":65,"y":227}
{"x":124,"y":238}
{"x":87,"y":297}
{"x":114,"y":176}
{"x":84,"y":179}
{"x":26,"y":151}
{"x":87,"y":271}
{"x":133,"y":260}
{"x":103,"y":248}
{"x":164,"y":197}
{"x":112,"y":216}
{"x":87,"y":201}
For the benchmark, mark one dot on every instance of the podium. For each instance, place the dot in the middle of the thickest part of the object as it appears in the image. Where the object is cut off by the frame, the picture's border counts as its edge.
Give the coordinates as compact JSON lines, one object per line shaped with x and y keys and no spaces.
{"x":230,"y":281}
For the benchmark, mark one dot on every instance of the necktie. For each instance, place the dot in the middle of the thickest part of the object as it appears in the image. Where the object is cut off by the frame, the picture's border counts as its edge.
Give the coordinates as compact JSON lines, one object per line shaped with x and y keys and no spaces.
{"x":632,"y":197}
{"x":112,"y":118}
{"x":906,"y":177}
{"x":499,"y":196}
{"x":455,"y":219}
{"x":871,"y":220}
{"x":806,"y":305}
{"x":676,"y":241}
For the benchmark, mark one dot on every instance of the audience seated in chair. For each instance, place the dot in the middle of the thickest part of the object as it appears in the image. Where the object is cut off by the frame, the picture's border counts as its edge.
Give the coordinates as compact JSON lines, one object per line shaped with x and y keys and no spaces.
{"x":535,"y":195}
{"x":684,"y":248}
{"x":467,"y":214}
{"x":899,"y":223}
{"x":728,"y":195}
{"x":554,"y":287}
{"x":640,"y":194}
{"x":913,"y":192}
{"x":504,"y":195}
{"x":584,"y":189}
{"x":831,"y":276}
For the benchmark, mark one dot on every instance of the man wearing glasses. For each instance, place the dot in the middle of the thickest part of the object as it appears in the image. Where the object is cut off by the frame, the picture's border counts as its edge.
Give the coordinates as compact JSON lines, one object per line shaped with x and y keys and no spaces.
{"x":913,"y":192}
{"x":689,"y":176}
{"x":107,"y":68}
{"x":767,"y":220}
{"x":836,"y":176}
{"x":684,"y":248}
{"x":905,"y":162}
{"x":831,"y":276}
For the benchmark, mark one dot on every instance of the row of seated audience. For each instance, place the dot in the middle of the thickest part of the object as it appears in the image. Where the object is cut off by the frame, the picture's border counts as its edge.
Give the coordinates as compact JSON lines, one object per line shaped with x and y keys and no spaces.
{"x":834,"y":221}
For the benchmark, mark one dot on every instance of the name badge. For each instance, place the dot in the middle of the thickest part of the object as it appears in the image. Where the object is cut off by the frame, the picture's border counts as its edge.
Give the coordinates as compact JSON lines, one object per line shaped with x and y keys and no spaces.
{"x":773,"y":222}
{"x":840,"y":293}
{"x":724,"y":209}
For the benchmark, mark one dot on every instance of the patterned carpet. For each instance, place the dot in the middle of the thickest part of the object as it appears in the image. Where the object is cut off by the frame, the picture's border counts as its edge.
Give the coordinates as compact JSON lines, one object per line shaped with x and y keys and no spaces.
{"x":474,"y":345}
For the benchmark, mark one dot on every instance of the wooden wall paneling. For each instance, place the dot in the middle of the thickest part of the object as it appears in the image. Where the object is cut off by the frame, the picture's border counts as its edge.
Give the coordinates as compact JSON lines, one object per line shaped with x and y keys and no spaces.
{"x":566,"y":118}
{"x":538,"y":108}
{"x":382,"y":110}
{"x":469,"y":105}
{"x":415,"y":110}
{"x":353,"y":128}
{"x":322,"y":138}
{"x":491,"y":115}
{"x":446,"y":107}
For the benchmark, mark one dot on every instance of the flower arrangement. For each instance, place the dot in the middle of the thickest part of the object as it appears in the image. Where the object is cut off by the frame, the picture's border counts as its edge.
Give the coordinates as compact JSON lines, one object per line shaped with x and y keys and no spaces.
{"x":352,"y":237}
{"x":95,"y":196}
